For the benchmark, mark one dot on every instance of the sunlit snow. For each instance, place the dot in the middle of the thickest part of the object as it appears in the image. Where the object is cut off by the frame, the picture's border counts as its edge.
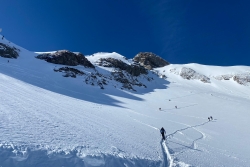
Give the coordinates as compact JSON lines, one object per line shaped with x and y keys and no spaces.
{"x":50,"y":120}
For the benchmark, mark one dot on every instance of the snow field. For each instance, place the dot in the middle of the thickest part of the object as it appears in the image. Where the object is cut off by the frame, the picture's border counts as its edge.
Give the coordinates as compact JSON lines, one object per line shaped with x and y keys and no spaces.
{"x":49,"y":120}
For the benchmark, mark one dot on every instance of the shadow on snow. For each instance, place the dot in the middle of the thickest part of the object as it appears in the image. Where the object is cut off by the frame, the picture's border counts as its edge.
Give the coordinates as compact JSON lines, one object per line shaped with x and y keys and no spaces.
{"x":40,"y":158}
{"x":76,"y":88}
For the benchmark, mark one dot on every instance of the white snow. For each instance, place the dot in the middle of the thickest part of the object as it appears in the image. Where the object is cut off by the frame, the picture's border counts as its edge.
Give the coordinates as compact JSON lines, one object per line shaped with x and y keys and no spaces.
{"x":95,"y":57}
{"x":49,"y":120}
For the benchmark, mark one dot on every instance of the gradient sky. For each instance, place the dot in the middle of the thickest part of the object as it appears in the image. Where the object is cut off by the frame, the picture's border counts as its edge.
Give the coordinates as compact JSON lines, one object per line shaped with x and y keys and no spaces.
{"x":212,"y":32}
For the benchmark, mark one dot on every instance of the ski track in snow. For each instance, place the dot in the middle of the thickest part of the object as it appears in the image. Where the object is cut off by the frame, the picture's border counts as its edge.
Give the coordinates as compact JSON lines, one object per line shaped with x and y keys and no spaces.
{"x":58,"y":129}
{"x":167,"y":159}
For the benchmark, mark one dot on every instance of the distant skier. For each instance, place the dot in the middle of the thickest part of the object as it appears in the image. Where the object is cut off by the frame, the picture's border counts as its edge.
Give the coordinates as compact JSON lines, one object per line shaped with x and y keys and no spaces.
{"x":211,"y":118}
{"x":163,"y":133}
{"x":160,"y":109}
{"x":2,"y":37}
{"x":208,"y":118}
{"x":176,"y":107}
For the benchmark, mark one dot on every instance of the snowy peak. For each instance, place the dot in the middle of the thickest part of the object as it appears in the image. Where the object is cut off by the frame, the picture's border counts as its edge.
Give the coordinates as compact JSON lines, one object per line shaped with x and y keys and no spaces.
{"x":95,"y":58}
{"x":119,"y":68}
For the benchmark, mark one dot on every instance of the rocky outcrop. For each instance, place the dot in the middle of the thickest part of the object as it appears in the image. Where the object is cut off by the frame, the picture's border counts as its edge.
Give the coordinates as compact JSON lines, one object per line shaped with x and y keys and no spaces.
{"x":95,"y":78}
{"x":243,"y":78}
{"x":224,"y":77}
{"x":188,"y":73}
{"x":69,"y":72}
{"x":127,"y":81}
{"x":134,"y":69}
{"x":66,"y":57}
{"x":8,"y":52}
{"x":150,"y":60}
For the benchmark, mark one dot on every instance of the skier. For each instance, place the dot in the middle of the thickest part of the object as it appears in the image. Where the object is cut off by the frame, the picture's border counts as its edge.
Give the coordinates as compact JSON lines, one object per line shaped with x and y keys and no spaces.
{"x":160,"y":109}
{"x":2,"y":37}
{"x":163,"y":133}
{"x":208,"y":118}
{"x":176,"y":107}
{"x":211,"y":118}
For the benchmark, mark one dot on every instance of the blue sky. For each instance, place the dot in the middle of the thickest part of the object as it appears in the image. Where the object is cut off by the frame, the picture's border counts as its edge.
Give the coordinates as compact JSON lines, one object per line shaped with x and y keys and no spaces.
{"x":213,"y":32}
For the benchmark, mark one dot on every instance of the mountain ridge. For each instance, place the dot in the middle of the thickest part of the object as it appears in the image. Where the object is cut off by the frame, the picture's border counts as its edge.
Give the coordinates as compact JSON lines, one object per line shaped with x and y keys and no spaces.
{"x":125,"y":70}
{"x":50,"y":116}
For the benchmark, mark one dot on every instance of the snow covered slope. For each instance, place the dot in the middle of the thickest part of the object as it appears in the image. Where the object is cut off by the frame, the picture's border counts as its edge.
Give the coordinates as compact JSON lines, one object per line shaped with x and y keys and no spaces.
{"x":50,"y":120}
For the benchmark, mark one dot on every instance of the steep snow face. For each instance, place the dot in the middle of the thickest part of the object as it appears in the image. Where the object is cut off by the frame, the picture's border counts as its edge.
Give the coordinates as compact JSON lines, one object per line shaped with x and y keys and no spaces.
{"x":50,"y":120}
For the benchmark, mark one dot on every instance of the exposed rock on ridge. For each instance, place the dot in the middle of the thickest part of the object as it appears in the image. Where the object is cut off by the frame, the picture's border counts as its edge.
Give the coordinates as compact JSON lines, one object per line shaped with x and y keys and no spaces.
{"x":8,"y":52}
{"x":134,"y":69}
{"x":190,"y":74}
{"x":125,"y":80}
{"x":66,"y":57}
{"x":150,"y":60}
{"x":243,"y":79}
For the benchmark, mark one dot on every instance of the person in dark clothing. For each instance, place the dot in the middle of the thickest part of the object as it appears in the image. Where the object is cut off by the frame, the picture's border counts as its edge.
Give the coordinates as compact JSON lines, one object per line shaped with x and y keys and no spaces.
{"x":163,"y":133}
{"x":2,"y":37}
{"x":208,"y":118}
{"x":211,"y":118}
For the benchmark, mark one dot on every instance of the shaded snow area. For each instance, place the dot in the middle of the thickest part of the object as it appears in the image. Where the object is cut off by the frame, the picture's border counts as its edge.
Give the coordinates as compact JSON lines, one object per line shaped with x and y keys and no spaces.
{"x":50,"y":120}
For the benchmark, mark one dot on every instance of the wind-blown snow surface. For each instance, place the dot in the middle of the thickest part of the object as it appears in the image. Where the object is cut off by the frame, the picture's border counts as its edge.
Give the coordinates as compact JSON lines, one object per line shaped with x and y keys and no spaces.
{"x":49,"y":120}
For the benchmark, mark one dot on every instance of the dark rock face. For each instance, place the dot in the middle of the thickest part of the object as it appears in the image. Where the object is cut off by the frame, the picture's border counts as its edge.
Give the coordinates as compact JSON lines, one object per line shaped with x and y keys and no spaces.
{"x":150,"y":60}
{"x":65,"y":57}
{"x":124,"y":73}
{"x":126,"y":81}
{"x":134,"y":69}
{"x":8,"y":52}
{"x":69,"y":72}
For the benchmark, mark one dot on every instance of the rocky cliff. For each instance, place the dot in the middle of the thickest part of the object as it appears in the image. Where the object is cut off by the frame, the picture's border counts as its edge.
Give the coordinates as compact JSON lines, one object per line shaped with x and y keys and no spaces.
{"x":150,"y":60}
{"x":65,"y":57}
{"x":8,"y":51}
